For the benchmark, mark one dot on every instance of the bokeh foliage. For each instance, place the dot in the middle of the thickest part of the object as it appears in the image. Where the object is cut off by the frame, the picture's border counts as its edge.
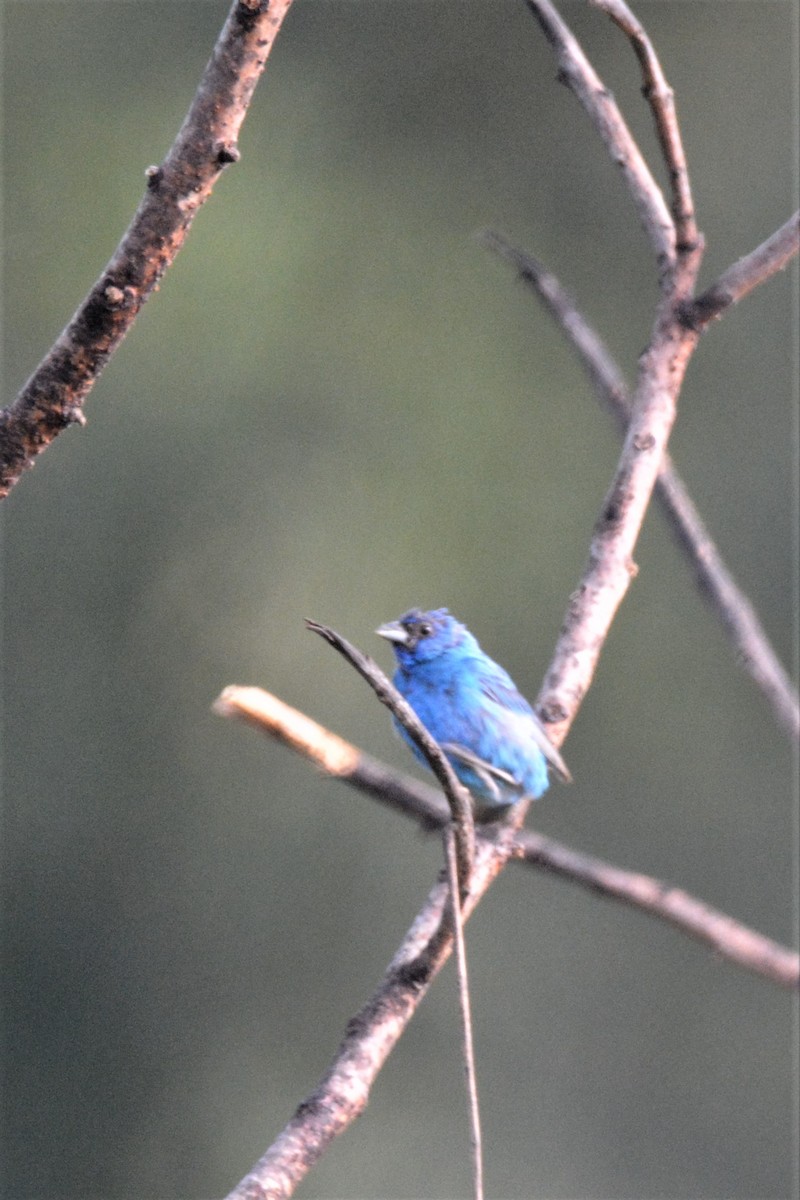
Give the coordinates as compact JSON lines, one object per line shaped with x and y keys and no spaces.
{"x":336,"y":406}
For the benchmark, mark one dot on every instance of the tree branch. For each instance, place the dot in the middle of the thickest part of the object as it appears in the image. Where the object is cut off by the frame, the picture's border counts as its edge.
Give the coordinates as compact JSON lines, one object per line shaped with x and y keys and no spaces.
{"x":53,"y":397}
{"x":611,"y":567}
{"x":372,"y":1034}
{"x":749,"y":272}
{"x":370,"y":1037}
{"x":661,"y":99}
{"x":575,"y":70}
{"x":334,"y":755}
{"x":662,"y":367}
{"x":459,"y":844}
{"x":753,"y":648}
{"x":727,"y":937}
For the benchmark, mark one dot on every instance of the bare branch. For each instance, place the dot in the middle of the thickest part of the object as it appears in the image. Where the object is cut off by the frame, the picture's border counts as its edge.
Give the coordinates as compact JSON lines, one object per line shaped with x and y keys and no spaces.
{"x":661,"y":99}
{"x":459,"y":845}
{"x":611,"y":567}
{"x":422,"y":803}
{"x":333,"y":755}
{"x":754,"y":651}
{"x":749,"y":272}
{"x":387,"y":693}
{"x":595,"y":357}
{"x":575,"y":70}
{"x":753,"y":648}
{"x":53,"y":397}
{"x":726,"y":936}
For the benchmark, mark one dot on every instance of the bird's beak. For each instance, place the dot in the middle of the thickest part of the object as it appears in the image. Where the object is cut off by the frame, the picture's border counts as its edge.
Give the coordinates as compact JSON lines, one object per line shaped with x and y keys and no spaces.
{"x":393,"y":631}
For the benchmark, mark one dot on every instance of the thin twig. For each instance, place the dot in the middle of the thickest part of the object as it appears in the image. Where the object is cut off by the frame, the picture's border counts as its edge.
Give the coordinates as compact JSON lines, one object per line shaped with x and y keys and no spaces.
{"x":53,"y":397}
{"x":753,"y":648}
{"x":749,"y":272}
{"x":467,"y":1036}
{"x":716,"y":929}
{"x":754,"y":651}
{"x":604,"y":373}
{"x":342,"y":1094}
{"x":459,"y":842}
{"x":575,"y":70}
{"x":661,"y":99}
{"x":728,"y":937}
{"x":388,"y":694}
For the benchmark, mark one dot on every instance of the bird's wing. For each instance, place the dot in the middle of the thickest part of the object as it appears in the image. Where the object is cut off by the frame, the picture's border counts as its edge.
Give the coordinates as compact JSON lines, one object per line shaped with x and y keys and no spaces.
{"x":501,"y":691}
{"x":488,"y":774}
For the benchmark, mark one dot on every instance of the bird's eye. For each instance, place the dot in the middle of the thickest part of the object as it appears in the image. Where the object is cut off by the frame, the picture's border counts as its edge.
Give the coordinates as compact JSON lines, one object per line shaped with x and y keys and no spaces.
{"x":425,"y":629}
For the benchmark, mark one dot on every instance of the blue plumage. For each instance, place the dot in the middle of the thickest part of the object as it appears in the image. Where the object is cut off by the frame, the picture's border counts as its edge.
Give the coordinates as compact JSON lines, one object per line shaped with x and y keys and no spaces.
{"x":489,"y":732}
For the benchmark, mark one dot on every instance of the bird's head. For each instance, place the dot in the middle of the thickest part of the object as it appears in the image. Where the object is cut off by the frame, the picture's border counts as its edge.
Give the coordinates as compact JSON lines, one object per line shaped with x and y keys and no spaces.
{"x":419,"y":636}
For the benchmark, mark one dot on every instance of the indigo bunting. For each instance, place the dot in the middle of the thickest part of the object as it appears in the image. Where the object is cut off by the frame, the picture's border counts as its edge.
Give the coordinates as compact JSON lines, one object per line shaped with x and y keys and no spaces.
{"x":470,"y":705}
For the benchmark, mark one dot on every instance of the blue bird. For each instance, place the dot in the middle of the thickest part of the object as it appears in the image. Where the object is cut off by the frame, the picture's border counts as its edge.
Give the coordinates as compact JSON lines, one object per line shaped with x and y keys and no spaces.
{"x":470,"y":705}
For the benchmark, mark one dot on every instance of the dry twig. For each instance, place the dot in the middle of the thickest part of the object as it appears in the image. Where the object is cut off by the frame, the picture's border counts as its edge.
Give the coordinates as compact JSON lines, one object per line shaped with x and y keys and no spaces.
{"x":459,"y":844}
{"x":371,"y":1035}
{"x":465,"y":1008}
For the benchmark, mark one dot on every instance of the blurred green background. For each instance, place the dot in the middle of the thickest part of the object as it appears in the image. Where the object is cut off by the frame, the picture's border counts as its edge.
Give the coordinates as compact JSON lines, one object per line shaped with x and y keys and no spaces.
{"x":336,"y":406}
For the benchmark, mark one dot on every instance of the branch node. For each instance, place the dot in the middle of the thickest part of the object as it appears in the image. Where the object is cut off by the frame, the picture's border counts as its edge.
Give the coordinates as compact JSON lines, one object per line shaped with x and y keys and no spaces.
{"x":115,"y":296}
{"x":248,"y":10}
{"x":552,"y":713}
{"x":227,"y":152}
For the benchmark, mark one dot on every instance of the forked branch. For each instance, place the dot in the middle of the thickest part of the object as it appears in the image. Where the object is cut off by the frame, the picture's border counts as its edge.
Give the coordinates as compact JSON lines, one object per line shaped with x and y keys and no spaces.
{"x":579,"y":75}
{"x":371,"y":1035}
{"x":748,"y":637}
{"x":749,"y":272}
{"x":661,"y":99}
